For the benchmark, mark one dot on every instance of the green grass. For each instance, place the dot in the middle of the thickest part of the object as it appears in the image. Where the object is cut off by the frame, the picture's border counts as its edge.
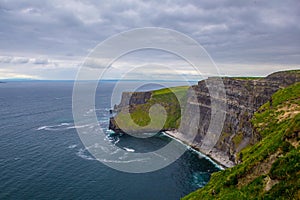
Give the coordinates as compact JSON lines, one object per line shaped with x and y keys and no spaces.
{"x":171,"y":99}
{"x":237,"y":139}
{"x":293,"y":71}
{"x":247,"y":78}
{"x":275,"y":157}
{"x":180,"y":90}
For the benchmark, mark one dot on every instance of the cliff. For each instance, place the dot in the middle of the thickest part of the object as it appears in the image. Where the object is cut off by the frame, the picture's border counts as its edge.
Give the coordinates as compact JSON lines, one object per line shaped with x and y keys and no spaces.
{"x":134,"y":114}
{"x":243,"y":98}
{"x":270,"y":168}
{"x":133,"y":98}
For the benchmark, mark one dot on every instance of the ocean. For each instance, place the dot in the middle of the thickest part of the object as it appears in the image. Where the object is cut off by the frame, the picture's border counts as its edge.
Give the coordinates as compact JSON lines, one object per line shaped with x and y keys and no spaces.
{"x":42,"y":157}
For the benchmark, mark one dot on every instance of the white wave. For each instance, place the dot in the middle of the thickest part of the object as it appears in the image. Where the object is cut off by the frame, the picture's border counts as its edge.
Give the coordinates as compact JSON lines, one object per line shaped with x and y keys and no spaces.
{"x":109,"y":131}
{"x":89,"y":112}
{"x":111,"y":149}
{"x":42,"y":128}
{"x":124,"y":161}
{"x":198,"y":178}
{"x":112,"y":140}
{"x":128,"y":149}
{"x":58,"y":98}
{"x":115,"y":151}
{"x":72,"y":146}
{"x":201,"y":155}
{"x":123,"y":157}
{"x":81,"y":154}
{"x":82,"y":126}
{"x":54,"y":127}
{"x":64,"y":126}
{"x":103,"y":120}
{"x":117,"y":141}
{"x":163,"y":157}
{"x":93,"y":110}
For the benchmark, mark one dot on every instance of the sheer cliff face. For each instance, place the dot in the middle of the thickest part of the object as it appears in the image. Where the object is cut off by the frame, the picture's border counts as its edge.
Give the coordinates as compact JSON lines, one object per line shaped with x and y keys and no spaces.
{"x":243,"y":97}
{"x":133,"y":98}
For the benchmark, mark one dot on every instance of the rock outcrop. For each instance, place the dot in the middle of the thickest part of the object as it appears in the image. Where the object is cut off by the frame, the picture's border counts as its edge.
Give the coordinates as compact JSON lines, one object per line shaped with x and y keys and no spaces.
{"x":133,"y":98}
{"x":243,"y":97}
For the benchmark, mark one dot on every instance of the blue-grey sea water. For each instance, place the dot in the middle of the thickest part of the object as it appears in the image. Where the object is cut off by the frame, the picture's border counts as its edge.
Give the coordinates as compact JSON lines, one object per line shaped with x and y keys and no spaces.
{"x":42,"y":157}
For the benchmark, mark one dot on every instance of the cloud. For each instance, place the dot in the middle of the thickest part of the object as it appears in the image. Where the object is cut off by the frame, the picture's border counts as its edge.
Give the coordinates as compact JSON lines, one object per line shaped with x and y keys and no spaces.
{"x":41,"y":61}
{"x":23,"y":60}
{"x":5,"y":59}
{"x":257,"y":33}
{"x":14,"y":60}
{"x":20,"y":60}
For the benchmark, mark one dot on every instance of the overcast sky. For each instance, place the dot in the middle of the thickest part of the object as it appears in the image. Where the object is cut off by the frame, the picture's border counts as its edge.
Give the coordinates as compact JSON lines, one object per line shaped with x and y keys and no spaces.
{"x":49,"y":39}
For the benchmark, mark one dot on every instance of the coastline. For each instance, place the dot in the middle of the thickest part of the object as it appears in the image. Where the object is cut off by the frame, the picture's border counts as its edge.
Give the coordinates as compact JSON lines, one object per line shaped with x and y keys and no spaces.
{"x":214,"y":155}
{"x":217,"y":164}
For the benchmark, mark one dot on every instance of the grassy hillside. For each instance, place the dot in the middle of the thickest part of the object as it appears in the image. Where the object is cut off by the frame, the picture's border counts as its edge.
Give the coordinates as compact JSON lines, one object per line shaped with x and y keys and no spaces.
{"x":270,"y":169}
{"x":247,"y":78}
{"x":169,"y":98}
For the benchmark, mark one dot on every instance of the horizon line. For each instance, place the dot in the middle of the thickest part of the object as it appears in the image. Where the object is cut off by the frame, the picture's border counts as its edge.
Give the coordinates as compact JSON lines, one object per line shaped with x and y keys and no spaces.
{"x":72,"y":80}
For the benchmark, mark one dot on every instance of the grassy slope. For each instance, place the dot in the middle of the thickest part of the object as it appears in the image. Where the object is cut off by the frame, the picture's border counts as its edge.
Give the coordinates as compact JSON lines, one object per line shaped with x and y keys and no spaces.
{"x":247,"y":78}
{"x":169,"y":98}
{"x":270,"y":169}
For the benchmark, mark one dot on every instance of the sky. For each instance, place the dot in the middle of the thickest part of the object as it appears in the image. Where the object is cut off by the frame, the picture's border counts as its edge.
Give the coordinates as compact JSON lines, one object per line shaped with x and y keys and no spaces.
{"x":51,"y":39}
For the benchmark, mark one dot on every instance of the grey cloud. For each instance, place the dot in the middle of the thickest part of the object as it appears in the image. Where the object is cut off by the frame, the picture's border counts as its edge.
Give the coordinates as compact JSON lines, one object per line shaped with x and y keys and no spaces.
{"x":247,"y":32}
{"x":41,"y":61}
{"x":14,"y":60}
{"x":6,"y":59}
{"x":24,"y":60}
{"x":20,"y":60}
